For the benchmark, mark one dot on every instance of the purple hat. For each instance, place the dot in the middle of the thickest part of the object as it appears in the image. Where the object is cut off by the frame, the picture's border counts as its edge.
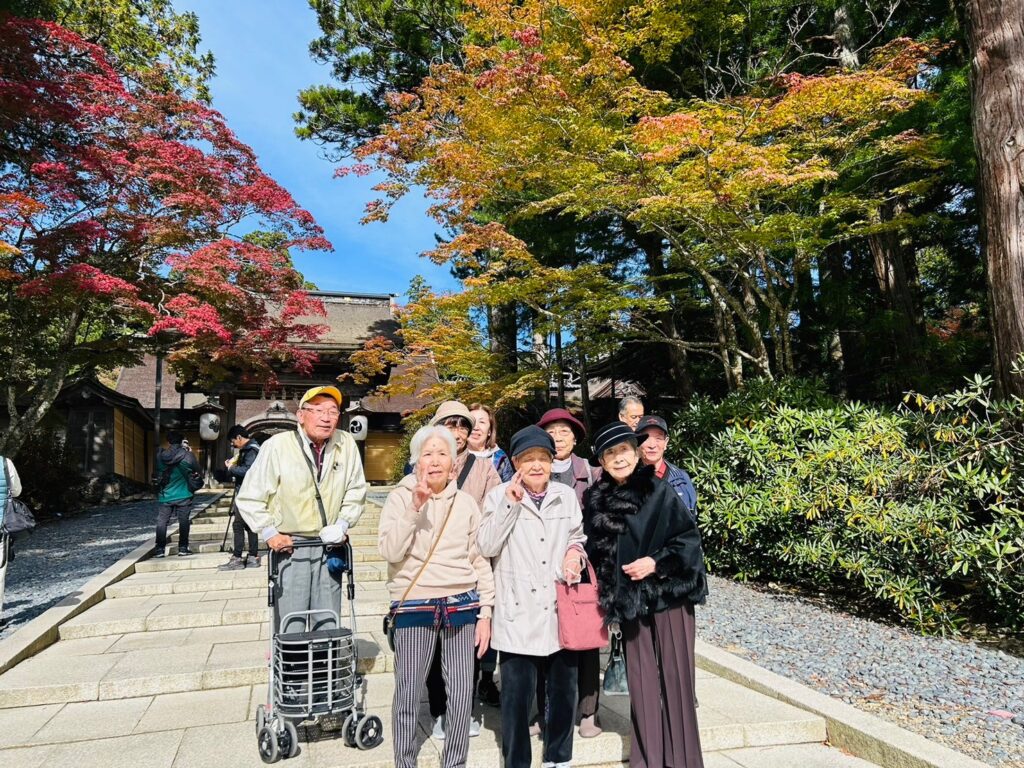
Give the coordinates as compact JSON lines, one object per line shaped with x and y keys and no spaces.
{"x":560,"y":414}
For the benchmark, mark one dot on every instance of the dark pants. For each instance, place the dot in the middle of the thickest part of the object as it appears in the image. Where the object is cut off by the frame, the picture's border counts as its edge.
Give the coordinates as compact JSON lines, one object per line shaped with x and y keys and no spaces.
{"x":518,"y":688}
{"x":589,"y":685}
{"x":179,"y":509}
{"x":241,"y":530}
{"x":660,"y":674}
{"x":437,"y":695}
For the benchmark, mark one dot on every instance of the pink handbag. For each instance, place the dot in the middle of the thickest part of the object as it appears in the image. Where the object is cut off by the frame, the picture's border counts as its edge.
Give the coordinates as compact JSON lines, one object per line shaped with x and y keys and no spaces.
{"x":581,"y":624}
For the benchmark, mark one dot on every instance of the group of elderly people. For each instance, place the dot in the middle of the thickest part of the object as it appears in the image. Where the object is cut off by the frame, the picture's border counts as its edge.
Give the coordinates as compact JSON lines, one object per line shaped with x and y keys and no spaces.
{"x":476,"y":543}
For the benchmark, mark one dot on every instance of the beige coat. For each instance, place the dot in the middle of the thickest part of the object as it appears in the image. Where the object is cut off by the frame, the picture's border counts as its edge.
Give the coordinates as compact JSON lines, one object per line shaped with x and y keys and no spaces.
{"x":278,"y":494}
{"x":528,"y":546}
{"x":483,"y":477}
{"x":406,"y":535}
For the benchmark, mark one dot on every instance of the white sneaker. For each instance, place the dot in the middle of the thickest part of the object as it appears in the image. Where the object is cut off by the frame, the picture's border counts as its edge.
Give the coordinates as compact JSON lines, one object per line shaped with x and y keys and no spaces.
{"x":474,"y":727}
{"x":438,"y":731}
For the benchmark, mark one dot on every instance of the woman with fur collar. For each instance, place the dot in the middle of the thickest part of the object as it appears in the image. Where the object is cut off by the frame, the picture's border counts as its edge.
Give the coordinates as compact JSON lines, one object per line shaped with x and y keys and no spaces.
{"x":646,"y":551}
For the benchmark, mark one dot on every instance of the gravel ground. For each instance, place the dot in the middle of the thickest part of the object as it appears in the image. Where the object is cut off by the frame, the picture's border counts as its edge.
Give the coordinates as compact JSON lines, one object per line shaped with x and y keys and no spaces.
{"x":61,"y":555}
{"x":961,"y":694}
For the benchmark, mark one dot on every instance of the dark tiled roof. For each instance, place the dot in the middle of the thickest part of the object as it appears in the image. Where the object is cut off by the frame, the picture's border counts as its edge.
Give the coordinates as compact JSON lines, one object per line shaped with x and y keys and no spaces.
{"x":353,"y":319}
{"x":404,"y":403}
{"x":140,"y":383}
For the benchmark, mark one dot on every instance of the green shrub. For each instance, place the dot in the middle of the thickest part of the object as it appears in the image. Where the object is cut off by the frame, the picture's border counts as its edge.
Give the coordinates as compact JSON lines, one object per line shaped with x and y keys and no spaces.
{"x":917,"y":508}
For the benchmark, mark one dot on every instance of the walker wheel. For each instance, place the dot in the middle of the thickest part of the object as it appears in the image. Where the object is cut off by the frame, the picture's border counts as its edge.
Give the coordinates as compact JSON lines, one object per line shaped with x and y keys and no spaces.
{"x":266,"y":740}
{"x":370,"y":732}
{"x":348,"y":730}
{"x":288,"y":740}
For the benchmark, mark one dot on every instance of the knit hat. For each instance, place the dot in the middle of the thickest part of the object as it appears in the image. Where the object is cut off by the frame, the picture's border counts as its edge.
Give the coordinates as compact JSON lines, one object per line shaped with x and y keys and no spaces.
{"x":530,"y":437}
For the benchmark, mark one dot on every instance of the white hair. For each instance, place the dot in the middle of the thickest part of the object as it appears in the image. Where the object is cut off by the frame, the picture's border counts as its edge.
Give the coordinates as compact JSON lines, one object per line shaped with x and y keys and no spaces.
{"x":627,"y":401}
{"x":425,"y":433}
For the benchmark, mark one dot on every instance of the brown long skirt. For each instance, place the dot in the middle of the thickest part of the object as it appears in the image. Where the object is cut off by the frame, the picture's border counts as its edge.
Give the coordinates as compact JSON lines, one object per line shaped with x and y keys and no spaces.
{"x":660,"y":674}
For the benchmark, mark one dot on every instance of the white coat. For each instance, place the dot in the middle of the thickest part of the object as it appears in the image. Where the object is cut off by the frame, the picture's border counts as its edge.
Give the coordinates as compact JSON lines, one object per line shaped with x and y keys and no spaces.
{"x":528,"y":546}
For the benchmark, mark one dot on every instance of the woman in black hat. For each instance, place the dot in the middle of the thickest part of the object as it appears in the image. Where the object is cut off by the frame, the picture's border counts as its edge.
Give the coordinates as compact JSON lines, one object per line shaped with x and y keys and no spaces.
{"x":644,"y":545}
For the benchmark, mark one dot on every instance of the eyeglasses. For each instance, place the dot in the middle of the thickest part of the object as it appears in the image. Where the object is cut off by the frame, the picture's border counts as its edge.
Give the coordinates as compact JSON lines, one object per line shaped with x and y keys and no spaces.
{"x":561,"y":432}
{"x":329,"y":413}
{"x":456,"y":424}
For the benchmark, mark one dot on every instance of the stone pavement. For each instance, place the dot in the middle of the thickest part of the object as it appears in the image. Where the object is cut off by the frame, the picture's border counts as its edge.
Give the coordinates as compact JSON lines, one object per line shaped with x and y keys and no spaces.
{"x":169,"y":668}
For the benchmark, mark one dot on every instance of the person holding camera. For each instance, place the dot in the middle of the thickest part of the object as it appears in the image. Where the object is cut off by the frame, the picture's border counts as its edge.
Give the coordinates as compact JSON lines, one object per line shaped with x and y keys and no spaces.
{"x":237,"y":467}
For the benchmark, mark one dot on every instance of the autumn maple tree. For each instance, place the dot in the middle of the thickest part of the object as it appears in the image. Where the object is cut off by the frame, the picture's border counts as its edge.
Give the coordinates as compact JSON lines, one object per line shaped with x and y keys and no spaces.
{"x":740,"y":194}
{"x":117,"y":203}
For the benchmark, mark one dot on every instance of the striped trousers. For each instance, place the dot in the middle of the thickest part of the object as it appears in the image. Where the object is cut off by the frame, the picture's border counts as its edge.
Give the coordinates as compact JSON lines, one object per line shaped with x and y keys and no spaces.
{"x":414,"y":653}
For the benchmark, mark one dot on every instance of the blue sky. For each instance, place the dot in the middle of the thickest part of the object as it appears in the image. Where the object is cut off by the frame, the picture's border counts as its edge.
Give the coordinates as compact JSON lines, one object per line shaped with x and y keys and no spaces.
{"x":261,"y":48}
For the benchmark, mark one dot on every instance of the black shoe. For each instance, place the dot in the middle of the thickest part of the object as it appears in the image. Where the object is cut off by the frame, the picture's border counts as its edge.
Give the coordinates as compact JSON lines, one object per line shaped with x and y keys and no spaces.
{"x":489,"y":693}
{"x":159,"y":553}
{"x":184,"y":552}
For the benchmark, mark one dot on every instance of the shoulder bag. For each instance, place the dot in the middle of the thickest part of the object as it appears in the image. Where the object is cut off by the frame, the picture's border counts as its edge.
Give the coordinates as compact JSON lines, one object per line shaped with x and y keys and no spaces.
{"x":17,"y":517}
{"x":389,"y":617}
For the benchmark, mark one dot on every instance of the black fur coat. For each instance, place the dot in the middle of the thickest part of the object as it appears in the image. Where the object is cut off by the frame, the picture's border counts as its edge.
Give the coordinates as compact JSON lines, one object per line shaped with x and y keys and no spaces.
{"x":643,"y":517}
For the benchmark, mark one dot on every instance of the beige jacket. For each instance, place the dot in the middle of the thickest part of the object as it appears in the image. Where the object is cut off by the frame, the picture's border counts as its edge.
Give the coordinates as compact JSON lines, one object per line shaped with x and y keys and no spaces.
{"x":406,"y":535}
{"x":278,"y":494}
{"x":483,"y":477}
{"x":528,"y":546}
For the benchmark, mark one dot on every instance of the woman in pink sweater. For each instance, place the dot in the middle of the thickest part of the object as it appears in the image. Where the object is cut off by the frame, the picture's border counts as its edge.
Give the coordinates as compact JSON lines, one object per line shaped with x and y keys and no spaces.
{"x":441,"y":588}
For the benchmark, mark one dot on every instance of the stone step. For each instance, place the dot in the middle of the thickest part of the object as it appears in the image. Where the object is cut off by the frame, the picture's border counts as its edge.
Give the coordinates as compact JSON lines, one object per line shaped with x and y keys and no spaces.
{"x":52,"y":724}
{"x":204,"y":534}
{"x":209,"y":561}
{"x":190,"y":610}
{"x":248,"y":583}
{"x":153,"y":670}
{"x":362,"y":554}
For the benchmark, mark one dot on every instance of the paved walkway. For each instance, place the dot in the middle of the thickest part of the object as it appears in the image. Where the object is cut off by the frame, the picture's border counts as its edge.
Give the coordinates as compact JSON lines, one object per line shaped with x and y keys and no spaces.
{"x":168,"y":671}
{"x":61,"y":555}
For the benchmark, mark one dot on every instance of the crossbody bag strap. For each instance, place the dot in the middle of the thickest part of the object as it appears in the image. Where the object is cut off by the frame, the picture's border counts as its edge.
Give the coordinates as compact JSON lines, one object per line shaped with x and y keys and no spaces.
{"x":464,"y":474}
{"x":316,"y":481}
{"x":426,"y":561}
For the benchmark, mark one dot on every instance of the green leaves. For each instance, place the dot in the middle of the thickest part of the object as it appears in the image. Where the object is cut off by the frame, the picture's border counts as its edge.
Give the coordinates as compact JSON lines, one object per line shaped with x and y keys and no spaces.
{"x":849,"y":497}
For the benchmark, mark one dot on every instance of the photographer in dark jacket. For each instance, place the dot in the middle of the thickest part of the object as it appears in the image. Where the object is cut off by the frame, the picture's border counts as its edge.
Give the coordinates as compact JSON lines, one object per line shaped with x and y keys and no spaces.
{"x":645,"y":548}
{"x":248,"y":449}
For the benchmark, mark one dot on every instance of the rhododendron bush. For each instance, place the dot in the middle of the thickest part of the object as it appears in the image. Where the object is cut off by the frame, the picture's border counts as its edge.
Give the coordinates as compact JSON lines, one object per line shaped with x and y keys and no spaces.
{"x":117,"y":204}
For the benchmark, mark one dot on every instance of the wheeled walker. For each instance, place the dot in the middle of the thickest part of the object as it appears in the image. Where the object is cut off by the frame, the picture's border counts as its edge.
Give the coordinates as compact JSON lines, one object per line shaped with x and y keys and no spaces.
{"x":313,"y":673}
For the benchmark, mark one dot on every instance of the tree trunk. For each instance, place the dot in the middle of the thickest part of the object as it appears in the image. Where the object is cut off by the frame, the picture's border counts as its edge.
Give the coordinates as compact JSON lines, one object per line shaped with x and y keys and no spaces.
{"x":585,"y":388}
{"x":896,"y":272}
{"x":504,"y":331}
{"x":43,"y":396}
{"x":653,"y":247}
{"x":834,"y":293}
{"x":995,"y":33}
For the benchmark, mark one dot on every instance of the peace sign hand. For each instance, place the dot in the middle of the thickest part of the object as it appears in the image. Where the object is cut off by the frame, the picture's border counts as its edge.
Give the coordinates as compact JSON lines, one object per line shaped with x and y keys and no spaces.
{"x":420,"y":493}
{"x":514,"y":490}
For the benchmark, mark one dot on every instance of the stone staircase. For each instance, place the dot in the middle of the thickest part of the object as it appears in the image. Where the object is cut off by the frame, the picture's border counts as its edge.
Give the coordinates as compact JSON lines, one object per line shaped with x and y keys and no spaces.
{"x":168,"y":670}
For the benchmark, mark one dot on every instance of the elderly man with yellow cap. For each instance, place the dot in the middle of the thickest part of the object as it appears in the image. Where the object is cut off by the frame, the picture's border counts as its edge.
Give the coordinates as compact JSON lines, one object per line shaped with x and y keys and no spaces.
{"x":305,"y":484}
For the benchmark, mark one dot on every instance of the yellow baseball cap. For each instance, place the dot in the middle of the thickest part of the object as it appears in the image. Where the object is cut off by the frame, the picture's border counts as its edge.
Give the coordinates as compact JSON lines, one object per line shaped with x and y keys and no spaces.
{"x":332,"y":392}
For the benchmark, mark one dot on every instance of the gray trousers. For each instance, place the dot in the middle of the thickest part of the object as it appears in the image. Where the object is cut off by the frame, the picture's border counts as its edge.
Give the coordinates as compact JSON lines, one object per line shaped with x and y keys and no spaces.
{"x":304,"y":584}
